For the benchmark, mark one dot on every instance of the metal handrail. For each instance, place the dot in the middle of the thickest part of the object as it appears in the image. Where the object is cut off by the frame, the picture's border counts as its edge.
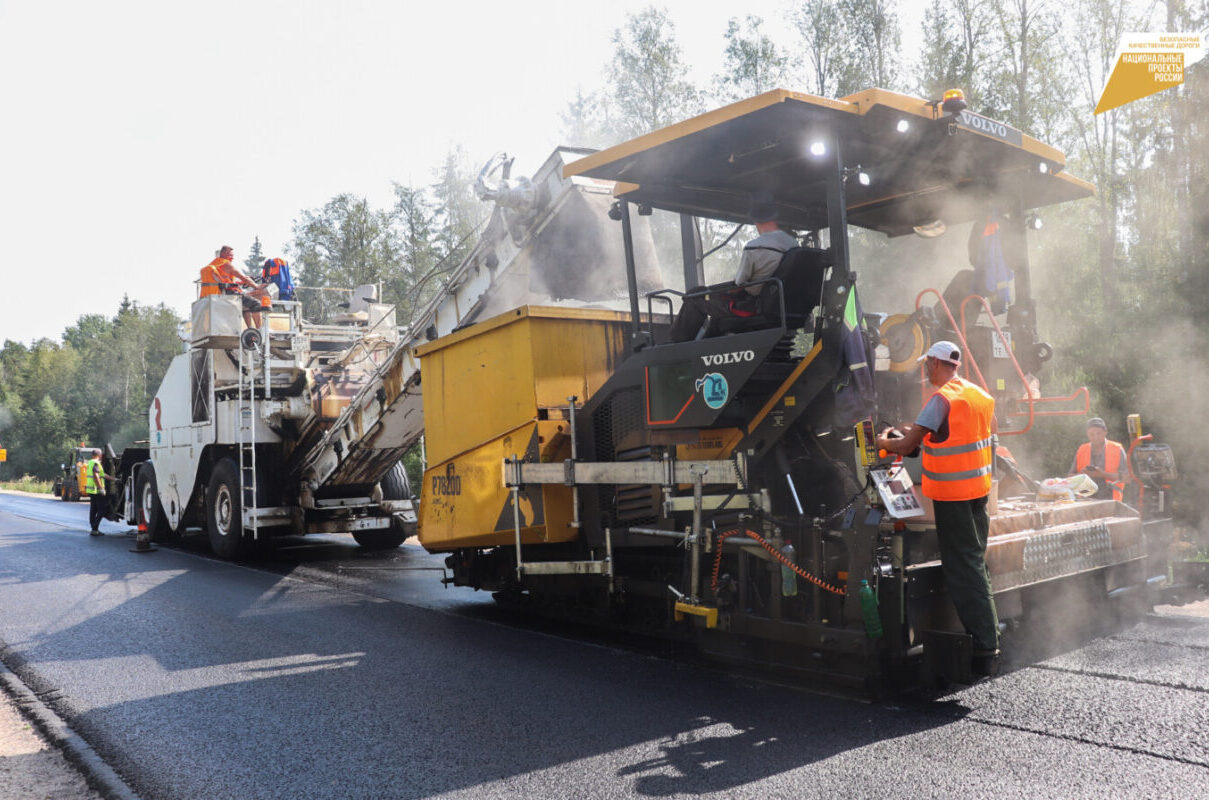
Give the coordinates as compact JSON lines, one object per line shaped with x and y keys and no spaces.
{"x":965,"y":346}
{"x":1074,"y":412}
{"x":1032,"y":413}
{"x":1007,"y":346}
{"x":662,"y":295}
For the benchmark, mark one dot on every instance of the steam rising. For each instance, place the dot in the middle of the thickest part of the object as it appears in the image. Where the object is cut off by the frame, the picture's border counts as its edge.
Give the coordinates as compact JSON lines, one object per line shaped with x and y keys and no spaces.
{"x":574,"y":259}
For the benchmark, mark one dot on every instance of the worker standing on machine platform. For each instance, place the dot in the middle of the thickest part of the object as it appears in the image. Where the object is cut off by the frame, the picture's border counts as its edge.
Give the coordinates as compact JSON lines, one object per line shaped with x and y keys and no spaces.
{"x":954,"y":430}
{"x":94,"y":486}
{"x":1103,"y":460}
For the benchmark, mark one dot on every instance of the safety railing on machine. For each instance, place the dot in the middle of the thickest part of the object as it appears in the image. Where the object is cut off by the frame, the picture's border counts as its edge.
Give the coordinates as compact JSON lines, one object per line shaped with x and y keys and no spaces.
{"x":1028,"y":393}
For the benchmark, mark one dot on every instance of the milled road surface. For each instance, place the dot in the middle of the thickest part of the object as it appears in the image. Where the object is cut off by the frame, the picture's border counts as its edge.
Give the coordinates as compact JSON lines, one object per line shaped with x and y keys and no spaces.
{"x":198,"y":678}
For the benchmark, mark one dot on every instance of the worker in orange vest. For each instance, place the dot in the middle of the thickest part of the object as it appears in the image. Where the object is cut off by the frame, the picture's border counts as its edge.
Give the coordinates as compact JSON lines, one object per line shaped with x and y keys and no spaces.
{"x":221,"y":277}
{"x":1103,"y":460}
{"x":954,"y":431}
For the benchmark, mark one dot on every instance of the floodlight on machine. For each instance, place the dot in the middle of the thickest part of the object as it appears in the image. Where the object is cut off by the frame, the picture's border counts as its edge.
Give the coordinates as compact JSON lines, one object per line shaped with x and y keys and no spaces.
{"x":1043,"y":168}
{"x":903,"y":126}
{"x":861,"y":176}
{"x":1034,"y":222}
{"x":818,"y":149}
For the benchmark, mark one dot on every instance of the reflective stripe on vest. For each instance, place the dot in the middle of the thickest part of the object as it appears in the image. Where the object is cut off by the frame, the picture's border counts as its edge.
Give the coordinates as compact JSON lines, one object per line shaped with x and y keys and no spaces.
{"x":957,"y":449}
{"x":959,"y":468}
{"x":93,"y":485}
{"x":1112,"y":463}
{"x":958,"y":476}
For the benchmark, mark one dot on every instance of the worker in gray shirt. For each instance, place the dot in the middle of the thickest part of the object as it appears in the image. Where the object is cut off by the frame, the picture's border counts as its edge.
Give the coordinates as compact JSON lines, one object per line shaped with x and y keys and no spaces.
{"x":760,"y":260}
{"x":762,"y":255}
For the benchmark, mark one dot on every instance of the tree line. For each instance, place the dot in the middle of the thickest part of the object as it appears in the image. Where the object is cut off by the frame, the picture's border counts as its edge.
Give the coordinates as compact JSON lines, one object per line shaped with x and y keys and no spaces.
{"x":1119,"y":278}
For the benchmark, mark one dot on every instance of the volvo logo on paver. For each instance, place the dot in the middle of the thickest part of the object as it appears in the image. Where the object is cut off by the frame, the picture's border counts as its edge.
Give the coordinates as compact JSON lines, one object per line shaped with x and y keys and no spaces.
{"x":717,"y":359}
{"x":977,"y":122}
{"x":447,"y":484}
{"x":714,"y":389}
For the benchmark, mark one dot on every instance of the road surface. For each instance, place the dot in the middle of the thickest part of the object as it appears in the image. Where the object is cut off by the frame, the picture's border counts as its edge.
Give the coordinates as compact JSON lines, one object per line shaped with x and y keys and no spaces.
{"x":198,"y":678}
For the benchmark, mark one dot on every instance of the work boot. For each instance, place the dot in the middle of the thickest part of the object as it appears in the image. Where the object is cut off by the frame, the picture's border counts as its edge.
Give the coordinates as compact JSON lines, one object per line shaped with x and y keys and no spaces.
{"x":985,"y":663}
{"x":95,"y":533}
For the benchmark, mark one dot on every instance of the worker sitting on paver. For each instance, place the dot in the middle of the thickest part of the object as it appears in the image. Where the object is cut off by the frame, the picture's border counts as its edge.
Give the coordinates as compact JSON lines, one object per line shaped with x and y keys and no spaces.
{"x":220,"y":276}
{"x":761,"y":257}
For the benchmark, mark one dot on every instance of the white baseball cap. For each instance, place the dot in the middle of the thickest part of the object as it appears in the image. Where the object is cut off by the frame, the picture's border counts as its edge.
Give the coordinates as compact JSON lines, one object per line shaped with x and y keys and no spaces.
{"x":944,"y":351}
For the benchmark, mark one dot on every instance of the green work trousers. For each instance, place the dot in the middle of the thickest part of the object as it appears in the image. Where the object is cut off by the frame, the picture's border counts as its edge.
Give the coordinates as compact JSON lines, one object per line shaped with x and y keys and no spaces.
{"x":961,"y":530}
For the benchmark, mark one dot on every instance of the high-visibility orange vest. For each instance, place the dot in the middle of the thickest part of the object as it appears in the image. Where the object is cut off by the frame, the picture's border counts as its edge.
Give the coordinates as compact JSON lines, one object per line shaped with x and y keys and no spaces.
{"x":215,"y":277}
{"x":1112,"y":463}
{"x":959,"y":468}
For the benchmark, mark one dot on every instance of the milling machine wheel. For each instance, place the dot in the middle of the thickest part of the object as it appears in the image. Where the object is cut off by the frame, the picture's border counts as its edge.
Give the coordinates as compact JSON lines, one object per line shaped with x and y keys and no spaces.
{"x":147,"y":492}
{"x":394,"y":487}
{"x":224,"y":516}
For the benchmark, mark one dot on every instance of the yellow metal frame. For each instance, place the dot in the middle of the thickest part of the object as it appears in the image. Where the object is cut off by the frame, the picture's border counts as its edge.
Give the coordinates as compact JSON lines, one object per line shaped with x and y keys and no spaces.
{"x":709,"y":614}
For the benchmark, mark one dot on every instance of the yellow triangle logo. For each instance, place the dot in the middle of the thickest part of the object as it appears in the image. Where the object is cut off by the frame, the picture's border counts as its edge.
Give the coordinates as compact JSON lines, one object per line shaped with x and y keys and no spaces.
{"x":1138,"y":75}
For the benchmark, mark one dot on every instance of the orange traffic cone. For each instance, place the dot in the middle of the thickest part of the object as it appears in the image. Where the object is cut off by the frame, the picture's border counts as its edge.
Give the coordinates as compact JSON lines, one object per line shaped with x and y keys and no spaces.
{"x":142,"y":542}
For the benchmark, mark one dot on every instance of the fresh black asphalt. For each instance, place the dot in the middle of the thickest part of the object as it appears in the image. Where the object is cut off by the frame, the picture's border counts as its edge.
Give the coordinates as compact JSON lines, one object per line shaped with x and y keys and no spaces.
{"x":198,"y":678}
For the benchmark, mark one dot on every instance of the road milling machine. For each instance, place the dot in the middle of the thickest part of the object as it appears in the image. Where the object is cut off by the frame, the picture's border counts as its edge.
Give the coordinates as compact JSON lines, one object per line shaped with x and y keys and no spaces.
{"x":726,"y":489}
{"x":299,"y":426}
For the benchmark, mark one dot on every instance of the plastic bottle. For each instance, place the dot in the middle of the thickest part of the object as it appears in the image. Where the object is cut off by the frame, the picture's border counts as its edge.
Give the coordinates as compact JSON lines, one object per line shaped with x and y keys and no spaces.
{"x":873,"y":620}
{"x":789,"y":578}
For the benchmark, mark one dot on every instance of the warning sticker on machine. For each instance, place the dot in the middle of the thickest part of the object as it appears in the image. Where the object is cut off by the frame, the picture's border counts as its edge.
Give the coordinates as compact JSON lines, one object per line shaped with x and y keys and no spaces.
{"x":1001,"y":347}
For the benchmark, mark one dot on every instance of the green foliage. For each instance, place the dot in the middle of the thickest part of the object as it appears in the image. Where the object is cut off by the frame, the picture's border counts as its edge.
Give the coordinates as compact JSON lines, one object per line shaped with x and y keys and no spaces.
{"x":413,"y":465}
{"x":90,"y":387}
{"x":958,"y":36}
{"x":821,"y":31}
{"x":28,"y":483}
{"x":587,"y":121}
{"x":44,"y":438}
{"x":849,"y":45}
{"x":342,"y":245}
{"x":649,"y":88}
{"x":255,"y":260}
{"x":405,"y":248}
{"x":753,"y":64}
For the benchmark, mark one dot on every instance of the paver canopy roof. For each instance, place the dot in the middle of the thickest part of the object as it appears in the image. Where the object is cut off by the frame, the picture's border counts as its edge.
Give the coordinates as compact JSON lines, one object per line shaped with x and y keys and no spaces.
{"x":923,"y":165}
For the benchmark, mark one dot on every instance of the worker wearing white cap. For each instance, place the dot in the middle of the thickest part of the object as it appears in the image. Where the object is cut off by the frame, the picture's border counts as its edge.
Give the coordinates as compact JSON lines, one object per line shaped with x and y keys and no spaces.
{"x":1102,"y":459}
{"x":954,"y":432}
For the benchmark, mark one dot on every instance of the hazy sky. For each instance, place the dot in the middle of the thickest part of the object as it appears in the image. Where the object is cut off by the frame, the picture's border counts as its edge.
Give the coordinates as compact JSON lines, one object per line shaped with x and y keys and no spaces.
{"x":139,"y":136}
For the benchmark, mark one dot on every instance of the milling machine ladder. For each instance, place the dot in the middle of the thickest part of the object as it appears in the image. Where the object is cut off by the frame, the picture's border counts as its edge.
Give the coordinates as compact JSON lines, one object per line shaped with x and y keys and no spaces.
{"x":245,"y":436}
